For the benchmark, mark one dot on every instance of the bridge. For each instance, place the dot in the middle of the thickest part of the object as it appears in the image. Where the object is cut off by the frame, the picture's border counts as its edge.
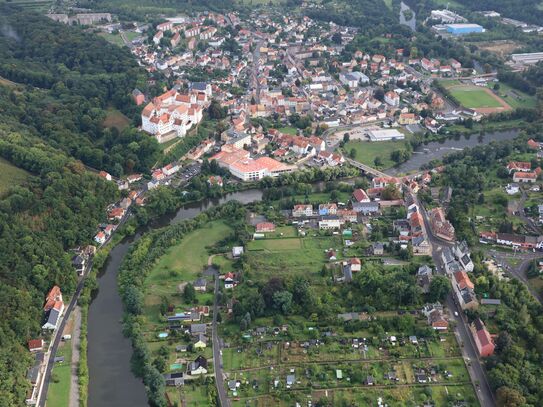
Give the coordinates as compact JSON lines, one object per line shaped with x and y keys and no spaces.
{"x":376,"y":173}
{"x":366,"y":168}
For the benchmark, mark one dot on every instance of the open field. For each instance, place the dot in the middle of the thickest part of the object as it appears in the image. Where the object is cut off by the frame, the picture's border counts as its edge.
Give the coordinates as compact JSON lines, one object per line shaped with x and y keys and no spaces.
{"x":277,"y":257}
{"x":367,"y":151}
{"x":113,"y":38}
{"x":10,"y":175}
{"x":116,"y":119}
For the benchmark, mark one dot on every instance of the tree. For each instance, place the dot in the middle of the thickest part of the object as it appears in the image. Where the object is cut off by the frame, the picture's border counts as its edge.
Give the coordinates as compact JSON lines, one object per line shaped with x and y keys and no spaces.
{"x":377,"y":161}
{"x":352,"y":153}
{"x":336,"y":38}
{"x":189,"y":293}
{"x":346,"y":137}
{"x":509,"y":397}
{"x":282,"y":301}
{"x":215,"y":111}
{"x":439,"y":289}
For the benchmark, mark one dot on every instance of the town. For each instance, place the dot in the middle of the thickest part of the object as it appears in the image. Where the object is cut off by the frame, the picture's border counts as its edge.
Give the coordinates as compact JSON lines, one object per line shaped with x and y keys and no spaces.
{"x":299,"y":203}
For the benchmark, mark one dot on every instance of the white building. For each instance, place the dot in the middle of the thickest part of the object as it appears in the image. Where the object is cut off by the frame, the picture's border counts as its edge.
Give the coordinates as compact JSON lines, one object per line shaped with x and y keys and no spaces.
{"x":385,"y":135}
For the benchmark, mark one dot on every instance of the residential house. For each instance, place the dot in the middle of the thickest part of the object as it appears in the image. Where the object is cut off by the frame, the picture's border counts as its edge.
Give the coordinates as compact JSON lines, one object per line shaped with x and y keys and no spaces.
{"x":424,"y":278}
{"x":35,"y":345}
{"x":377,"y":249}
{"x":463,"y":288}
{"x":327,"y":209}
{"x":265,"y":227}
{"x":200,"y":284}
{"x":302,"y":210}
{"x":359,"y":195}
{"x":525,"y":177}
{"x":229,"y":280}
{"x":330,"y":222}
{"x":366,"y":208}
{"x":483,"y":340}
{"x":440,"y":225}
{"x":200,"y":342}
{"x":174,"y":379}
{"x":198,"y":367}
{"x":237,"y":252}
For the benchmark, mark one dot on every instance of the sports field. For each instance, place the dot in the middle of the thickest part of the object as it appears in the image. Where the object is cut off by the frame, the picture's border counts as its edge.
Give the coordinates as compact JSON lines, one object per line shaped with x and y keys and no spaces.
{"x":481,"y":99}
{"x":475,"y":97}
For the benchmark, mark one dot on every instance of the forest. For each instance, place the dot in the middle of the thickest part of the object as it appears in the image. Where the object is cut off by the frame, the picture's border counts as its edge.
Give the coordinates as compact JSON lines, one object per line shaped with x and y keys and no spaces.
{"x":71,"y":79}
{"x":51,"y":126}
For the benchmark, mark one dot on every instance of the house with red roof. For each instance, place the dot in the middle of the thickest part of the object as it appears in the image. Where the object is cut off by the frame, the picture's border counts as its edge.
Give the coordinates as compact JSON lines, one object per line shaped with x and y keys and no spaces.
{"x":35,"y":345}
{"x":265,"y":227}
{"x":522,"y":166}
{"x":359,"y":195}
{"x":524,"y":177}
{"x":482,"y":338}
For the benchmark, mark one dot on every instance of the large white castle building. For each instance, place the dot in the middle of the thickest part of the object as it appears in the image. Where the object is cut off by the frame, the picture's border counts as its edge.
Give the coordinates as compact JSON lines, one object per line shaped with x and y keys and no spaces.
{"x":172,"y":114}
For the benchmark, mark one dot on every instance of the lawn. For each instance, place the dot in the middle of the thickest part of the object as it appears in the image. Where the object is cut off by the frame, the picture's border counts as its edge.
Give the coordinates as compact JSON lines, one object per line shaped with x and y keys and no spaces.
{"x":276,"y":244}
{"x":10,"y":175}
{"x":288,"y":130}
{"x":115,"y":119}
{"x":367,"y":151}
{"x":474,"y":97}
{"x":277,"y":257}
{"x":59,"y":389}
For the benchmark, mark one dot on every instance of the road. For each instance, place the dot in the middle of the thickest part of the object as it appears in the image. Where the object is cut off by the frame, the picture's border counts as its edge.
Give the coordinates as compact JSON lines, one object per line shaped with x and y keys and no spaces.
{"x":217,"y":353}
{"x":57,"y":336}
{"x":461,"y":330}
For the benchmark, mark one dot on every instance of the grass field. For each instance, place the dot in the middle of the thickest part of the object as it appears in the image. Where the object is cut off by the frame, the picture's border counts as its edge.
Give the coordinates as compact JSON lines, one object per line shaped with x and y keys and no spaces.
{"x":474,"y":97}
{"x":113,"y":38}
{"x":116,"y":119}
{"x":366,"y":151}
{"x":59,"y":389}
{"x":10,"y":175}
{"x":6,"y":82}
{"x":291,"y":256}
{"x":288,"y":130}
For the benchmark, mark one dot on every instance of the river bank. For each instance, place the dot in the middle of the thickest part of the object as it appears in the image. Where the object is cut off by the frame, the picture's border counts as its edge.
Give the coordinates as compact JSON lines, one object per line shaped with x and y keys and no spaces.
{"x":112,"y":382}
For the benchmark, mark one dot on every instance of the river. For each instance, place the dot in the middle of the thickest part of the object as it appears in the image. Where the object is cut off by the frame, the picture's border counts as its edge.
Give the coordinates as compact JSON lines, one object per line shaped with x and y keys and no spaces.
{"x":112,"y":383}
{"x":438,"y":149}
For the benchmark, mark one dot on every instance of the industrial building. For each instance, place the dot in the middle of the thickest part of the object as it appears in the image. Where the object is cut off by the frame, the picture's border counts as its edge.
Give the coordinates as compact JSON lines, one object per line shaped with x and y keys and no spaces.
{"x":385,"y":135}
{"x":446,"y":16}
{"x":463,"y":29}
{"x":527,"y":59}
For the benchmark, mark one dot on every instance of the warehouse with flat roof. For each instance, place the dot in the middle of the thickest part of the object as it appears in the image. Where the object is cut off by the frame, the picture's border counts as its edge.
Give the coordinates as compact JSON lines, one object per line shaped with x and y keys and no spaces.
{"x":463,"y":29}
{"x":527,"y":59}
{"x":385,"y":135}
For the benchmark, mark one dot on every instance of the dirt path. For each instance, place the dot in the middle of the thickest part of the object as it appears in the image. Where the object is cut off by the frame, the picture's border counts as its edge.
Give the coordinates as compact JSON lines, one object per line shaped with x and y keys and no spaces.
{"x":210,"y":260}
{"x":76,"y":333}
